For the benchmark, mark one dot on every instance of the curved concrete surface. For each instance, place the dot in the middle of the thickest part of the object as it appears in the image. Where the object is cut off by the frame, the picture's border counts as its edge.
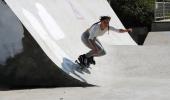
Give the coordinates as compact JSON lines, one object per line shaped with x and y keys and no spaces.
{"x":57,"y":26}
{"x":11,"y":33}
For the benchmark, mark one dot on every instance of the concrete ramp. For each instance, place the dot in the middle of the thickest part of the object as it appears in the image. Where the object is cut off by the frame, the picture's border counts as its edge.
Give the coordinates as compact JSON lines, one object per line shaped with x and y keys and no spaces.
{"x":57,"y":26}
{"x":158,"y":38}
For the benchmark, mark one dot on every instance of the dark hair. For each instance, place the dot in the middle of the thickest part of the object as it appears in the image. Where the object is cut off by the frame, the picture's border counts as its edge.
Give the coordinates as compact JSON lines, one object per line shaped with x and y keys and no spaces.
{"x":104,"y":18}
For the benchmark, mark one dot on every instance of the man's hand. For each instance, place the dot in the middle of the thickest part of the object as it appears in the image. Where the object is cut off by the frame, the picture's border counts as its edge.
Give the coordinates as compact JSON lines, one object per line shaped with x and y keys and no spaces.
{"x":125,"y":30}
{"x":129,"y":29}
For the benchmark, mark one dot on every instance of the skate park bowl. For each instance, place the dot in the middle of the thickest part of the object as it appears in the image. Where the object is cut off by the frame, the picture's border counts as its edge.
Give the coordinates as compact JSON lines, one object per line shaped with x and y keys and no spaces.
{"x":59,"y":34}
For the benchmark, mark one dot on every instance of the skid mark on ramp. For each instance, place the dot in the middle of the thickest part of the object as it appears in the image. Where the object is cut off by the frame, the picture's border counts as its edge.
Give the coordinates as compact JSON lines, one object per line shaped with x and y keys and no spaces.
{"x":75,"y":10}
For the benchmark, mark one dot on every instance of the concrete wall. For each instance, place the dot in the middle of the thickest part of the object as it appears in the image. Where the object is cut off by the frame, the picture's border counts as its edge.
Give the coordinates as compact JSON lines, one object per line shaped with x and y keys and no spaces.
{"x":160,"y":26}
{"x":11,"y":33}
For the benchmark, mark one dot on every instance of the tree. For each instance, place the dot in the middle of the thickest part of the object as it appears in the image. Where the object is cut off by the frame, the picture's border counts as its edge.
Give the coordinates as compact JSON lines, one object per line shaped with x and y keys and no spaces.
{"x":134,"y":12}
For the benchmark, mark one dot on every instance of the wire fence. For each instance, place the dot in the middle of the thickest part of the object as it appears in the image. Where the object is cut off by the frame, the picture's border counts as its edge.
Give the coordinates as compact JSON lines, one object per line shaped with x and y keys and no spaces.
{"x":162,"y":10}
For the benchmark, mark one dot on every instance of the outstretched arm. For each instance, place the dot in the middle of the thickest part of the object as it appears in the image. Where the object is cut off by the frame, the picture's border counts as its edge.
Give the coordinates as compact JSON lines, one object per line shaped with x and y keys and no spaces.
{"x":120,"y":30}
{"x":125,"y":30}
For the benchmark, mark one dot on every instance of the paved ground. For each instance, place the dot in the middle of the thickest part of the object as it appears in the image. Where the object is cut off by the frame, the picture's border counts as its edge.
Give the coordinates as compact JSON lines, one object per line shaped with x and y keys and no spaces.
{"x":158,"y":38}
{"x":138,"y":73}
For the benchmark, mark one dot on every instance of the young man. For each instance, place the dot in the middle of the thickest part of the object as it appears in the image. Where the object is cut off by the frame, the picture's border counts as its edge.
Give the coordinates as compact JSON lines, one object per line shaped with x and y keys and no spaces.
{"x":89,"y":38}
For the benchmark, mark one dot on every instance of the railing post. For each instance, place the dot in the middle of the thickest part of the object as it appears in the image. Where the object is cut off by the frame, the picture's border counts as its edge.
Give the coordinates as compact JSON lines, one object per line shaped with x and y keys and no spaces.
{"x":163,"y":9}
{"x":155,"y":10}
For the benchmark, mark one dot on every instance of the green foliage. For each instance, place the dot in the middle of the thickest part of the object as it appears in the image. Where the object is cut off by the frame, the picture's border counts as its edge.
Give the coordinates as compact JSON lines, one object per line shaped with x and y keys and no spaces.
{"x":134,"y":12}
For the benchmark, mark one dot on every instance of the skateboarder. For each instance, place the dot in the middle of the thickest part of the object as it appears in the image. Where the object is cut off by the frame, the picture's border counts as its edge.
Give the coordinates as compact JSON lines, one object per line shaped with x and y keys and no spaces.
{"x":89,"y":38}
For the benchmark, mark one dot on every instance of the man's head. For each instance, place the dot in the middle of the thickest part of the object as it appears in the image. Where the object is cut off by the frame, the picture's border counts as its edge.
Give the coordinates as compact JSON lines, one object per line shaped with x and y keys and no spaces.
{"x":104,"y":21}
{"x":105,"y":18}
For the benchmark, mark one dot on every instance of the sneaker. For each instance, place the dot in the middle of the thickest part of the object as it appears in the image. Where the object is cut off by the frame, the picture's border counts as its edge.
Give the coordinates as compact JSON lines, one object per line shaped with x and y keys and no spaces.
{"x":80,"y":58}
{"x":83,"y":60}
{"x":91,"y":60}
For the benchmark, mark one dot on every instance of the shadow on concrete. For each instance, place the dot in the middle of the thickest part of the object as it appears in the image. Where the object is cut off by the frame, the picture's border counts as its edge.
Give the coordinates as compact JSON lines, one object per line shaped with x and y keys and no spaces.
{"x":71,"y":67}
{"x":33,"y":69}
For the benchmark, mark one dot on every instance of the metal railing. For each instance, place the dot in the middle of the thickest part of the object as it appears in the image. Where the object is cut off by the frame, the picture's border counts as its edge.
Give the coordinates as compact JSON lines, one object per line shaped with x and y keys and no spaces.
{"x":162,"y":10}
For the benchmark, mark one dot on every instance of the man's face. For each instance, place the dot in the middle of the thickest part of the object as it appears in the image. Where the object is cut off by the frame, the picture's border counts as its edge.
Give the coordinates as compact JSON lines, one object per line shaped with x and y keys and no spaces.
{"x":105,"y":23}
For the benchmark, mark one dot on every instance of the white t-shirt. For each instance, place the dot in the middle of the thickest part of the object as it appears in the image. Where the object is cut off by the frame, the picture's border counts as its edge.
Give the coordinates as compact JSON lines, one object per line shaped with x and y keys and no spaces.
{"x":96,"y":31}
